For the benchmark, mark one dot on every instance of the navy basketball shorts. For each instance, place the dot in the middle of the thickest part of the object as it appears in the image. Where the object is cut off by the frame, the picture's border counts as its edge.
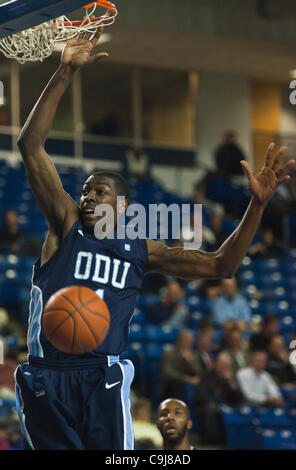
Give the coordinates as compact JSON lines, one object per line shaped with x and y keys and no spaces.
{"x":75,"y":409}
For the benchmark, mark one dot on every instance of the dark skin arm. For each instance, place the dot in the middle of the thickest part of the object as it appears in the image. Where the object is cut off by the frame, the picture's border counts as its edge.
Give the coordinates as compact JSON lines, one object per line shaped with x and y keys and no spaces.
{"x":195,"y":264}
{"x":57,"y":206}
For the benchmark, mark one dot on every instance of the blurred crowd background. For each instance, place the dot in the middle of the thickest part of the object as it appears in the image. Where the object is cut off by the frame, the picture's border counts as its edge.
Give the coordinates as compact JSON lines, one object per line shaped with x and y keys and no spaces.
{"x":185,"y":95}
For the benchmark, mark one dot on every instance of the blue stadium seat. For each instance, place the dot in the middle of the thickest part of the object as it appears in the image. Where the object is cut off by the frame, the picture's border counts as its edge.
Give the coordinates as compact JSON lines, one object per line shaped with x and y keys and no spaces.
{"x":275,"y":417}
{"x":136,"y":332}
{"x":278,"y":439}
{"x":241,"y":428}
{"x":153,"y":351}
{"x":288,"y":323}
{"x":196,"y":318}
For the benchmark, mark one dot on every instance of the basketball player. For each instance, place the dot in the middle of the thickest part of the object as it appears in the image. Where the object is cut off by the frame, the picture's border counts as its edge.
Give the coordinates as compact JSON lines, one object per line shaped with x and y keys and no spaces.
{"x":174,"y":424}
{"x":82,"y":402}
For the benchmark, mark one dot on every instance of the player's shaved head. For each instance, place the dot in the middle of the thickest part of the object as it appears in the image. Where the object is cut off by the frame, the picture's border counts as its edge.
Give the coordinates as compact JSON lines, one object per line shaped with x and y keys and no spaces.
{"x":174,"y":401}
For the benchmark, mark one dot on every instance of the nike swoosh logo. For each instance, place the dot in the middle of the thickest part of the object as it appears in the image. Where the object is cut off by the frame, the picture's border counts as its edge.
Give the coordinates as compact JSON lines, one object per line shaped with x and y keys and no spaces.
{"x":111,"y":385}
{"x":80,"y":233}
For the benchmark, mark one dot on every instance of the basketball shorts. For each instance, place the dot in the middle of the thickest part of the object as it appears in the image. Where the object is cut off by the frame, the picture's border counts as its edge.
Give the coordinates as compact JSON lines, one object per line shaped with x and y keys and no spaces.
{"x":75,"y":409}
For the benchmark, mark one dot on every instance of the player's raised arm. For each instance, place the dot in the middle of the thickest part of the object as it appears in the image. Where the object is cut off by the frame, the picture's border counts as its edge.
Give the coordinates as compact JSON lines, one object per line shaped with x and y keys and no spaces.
{"x":46,"y":185}
{"x":194,"y":264}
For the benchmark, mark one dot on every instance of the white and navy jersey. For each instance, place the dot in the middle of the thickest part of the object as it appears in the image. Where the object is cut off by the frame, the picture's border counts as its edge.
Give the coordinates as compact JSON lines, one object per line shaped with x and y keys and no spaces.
{"x":112,"y":268}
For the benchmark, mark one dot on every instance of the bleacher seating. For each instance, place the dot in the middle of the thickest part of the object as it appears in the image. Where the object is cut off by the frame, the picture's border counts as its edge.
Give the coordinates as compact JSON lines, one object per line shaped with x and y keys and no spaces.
{"x":259,"y":428}
{"x":269,"y":286}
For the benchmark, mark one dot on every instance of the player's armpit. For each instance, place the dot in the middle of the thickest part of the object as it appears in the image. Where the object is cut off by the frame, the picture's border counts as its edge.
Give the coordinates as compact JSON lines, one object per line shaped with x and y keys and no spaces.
{"x":184,"y":264}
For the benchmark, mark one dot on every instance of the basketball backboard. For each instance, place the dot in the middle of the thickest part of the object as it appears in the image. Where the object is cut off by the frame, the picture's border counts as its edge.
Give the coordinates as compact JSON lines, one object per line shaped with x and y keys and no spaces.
{"x":17,"y":15}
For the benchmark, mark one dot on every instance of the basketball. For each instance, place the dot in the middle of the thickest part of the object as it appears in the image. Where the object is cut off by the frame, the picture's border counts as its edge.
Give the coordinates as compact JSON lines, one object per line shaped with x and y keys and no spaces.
{"x":76,"y":320}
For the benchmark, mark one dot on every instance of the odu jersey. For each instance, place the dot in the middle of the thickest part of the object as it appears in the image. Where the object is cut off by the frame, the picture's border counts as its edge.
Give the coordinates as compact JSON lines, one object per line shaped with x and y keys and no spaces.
{"x":114,"y":269}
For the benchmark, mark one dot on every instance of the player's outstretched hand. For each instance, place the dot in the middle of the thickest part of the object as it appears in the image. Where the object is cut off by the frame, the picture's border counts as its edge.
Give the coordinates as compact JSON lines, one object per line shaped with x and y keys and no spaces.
{"x":264,"y":184}
{"x":77,"y":52}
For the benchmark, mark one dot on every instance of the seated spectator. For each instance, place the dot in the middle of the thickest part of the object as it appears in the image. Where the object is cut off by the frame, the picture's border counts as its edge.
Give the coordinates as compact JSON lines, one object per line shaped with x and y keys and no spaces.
{"x":267,"y":247}
{"x":230,"y":305}
{"x":228,"y":156}
{"x":205,"y":348}
{"x":179,"y":367}
{"x":7,"y":370}
{"x":174,"y":423}
{"x":5,"y":430}
{"x":11,"y":328}
{"x":214,"y":236}
{"x":199,"y":197}
{"x":144,"y":429}
{"x":14,"y":240}
{"x":216,"y":387}
{"x":257,"y":385}
{"x":228,"y":326}
{"x":236,"y":349}
{"x":269,"y":328}
{"x":278,"y":364}
{"x":211,"y":289}
{"x":171,"y":311}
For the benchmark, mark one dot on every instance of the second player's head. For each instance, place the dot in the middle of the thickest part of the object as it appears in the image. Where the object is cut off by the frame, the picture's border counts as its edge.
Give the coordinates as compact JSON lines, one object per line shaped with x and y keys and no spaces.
{"x":103,"y":188}
{"x":174,"y":423}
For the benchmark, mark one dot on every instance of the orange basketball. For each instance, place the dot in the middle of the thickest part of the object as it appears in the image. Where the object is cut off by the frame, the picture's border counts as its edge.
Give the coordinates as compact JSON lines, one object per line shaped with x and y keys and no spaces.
{"x":76,"y":320}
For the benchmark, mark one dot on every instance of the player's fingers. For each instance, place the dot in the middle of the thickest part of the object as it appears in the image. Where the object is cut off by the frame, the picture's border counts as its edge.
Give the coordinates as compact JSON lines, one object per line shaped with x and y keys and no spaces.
{"x":271,"y":179}
{"x":99,"y":56}
{"x":97,"y":35}
{"x":279,"y":157}
{"x":283,"y":180}
{"x":269,"y":151}
{"x":280,"y":173}
{"x":247,"y":169}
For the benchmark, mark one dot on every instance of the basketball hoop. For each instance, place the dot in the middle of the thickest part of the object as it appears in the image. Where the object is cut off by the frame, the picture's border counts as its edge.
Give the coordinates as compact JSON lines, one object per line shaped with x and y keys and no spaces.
{"x":38,"y":42}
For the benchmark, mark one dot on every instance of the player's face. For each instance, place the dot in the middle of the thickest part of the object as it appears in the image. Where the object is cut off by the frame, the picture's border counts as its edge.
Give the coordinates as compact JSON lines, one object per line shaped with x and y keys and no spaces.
{"x":173,"y":421}
{"x":96,"y":190}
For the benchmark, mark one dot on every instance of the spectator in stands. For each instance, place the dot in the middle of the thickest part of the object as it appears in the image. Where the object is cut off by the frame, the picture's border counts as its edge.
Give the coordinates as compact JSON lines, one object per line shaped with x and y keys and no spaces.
{"x":145,"y":432}
{"x":215,"y":235}
{"x":267,"y":247}
{"x":228,"y":156}
{"x":257,"y":385}
{"x":216,"y":387}
{"x":5,"y":430}
{"x":227,"y":328}
{"x":174,"y":424}
{"x":278,"y":364}
{"x":11,"y":328}
{"x":205,"y":348}
{"x":211,"y":289}
{"x":236,"y":349}
{"x":199,"y":197}
{"x":283,"y":203}
{"x":179,"y":367}
{"x":137,"y":164}
{"x":269,"y":328}
{"x":13,"y":240}
{"x":171,"y":311}
{"x":7,"y":370}
{"x":230,"y":305}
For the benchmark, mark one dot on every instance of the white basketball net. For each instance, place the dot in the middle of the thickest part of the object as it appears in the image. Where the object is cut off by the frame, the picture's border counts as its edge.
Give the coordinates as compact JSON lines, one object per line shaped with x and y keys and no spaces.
{"x":38,"y":43}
